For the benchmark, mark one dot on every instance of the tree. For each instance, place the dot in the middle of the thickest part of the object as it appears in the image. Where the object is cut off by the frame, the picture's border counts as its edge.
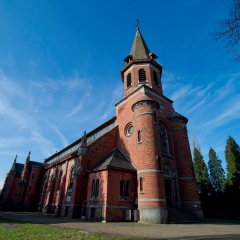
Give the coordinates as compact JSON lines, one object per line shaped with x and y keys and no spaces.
{"x":217,"y":177}
{"x":232,"y":154}
{"x":200,"y":167}
{"x":231,"y":29}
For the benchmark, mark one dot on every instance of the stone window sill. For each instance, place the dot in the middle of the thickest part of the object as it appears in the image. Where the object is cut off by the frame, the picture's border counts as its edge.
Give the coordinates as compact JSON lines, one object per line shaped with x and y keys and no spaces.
{"x":143,"y":82}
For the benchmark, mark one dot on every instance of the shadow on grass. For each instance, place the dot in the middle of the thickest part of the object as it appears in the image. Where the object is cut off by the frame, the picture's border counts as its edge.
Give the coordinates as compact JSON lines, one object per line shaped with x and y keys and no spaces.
{"x":12,"y":230}
{"x":30,"y":222}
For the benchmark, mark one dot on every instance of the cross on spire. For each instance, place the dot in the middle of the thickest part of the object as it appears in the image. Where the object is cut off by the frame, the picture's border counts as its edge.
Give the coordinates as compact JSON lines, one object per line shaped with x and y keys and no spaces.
{"x":137,"y":23}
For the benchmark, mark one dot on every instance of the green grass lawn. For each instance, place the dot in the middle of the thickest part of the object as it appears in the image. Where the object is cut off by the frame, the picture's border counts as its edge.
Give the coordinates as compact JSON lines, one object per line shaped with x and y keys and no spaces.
{"x":12,"y":230}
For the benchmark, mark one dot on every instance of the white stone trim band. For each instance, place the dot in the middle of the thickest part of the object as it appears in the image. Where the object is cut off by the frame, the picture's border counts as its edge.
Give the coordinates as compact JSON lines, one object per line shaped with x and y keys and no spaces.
{"x":149,"y":171}
{"x":151,"y":200}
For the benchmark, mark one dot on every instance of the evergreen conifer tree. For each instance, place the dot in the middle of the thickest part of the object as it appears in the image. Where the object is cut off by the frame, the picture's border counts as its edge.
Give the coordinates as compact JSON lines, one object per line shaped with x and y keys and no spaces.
{"x":217,"y":177}
{"x":200,"y":167}
{"x":232,"y":154}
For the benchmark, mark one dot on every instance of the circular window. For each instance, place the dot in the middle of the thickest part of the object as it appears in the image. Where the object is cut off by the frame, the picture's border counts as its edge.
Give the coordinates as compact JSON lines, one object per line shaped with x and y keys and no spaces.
{"x":129,"y":129}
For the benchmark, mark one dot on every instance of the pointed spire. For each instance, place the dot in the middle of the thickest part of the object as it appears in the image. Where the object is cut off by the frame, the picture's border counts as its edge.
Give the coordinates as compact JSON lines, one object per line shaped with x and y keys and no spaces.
{"x":83,"y":146}
{"x":139,"y":48}
{"x":28,"y":158}
{"x":14,"y":163}
{"x":84,"y":139}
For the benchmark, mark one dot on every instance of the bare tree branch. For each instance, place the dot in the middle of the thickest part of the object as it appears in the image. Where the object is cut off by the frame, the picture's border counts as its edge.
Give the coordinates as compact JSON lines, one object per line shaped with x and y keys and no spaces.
{"x":230,"y":29}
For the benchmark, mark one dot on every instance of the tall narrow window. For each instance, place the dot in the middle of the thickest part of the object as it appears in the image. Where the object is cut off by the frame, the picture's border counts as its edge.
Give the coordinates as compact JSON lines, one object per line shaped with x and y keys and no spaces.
{"x":71,"y":180}
{"x":121,"y":188}
{"x":93,"y":188}
{"x":164,"y":139}
{"x":142,"y":76}
{"x":97,"y":188}
{"x":127,"y":185}
{"x":155,"y":78}
{"x":139,"y":136}
{"x":129,"y":80}
{"x":141,"y":184}
{"x":124,"y":189}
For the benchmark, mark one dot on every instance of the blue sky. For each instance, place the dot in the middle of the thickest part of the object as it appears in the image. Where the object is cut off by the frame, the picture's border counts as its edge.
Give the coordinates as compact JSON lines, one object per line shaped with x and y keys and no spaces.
{"x":60,"y":67}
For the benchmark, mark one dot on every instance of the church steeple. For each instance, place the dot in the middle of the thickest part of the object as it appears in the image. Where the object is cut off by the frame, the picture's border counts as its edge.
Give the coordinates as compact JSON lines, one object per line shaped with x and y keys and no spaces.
{"x":139,"y":50}
{"x":141,"y":68}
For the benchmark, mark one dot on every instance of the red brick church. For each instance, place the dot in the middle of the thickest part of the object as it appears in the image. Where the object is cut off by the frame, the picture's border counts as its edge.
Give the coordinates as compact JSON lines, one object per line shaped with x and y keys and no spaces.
{"x":137,"y":166}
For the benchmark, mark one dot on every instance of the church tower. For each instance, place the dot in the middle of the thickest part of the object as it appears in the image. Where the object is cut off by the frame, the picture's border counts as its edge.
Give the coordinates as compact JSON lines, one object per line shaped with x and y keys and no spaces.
{"x":154,"y":137}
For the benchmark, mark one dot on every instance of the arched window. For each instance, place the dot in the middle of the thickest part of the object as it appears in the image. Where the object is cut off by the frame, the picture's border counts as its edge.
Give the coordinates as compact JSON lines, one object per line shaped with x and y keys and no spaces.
{"x":164,"y":139}
{"x":139,"y":136}
{"x":129,"y":80}
{"x":95,"y":188}
{"x":142,"y":76}
{"x":155,"y":78}
{"x":71,"y":179}
{"x":141,"y":184}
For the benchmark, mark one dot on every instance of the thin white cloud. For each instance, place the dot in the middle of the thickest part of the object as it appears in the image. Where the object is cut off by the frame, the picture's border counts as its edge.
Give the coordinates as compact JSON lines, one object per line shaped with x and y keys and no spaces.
{"x":181,"y":92}
{"x":230,"y":111}
{"x":203,"y":91}
{"x":12,"y":141}
{"x":109,"y":111}
{"x":76,"y":109}
{"x":9,"y":88}
{"x":44,"y":145}
{"x":59,"y":134}
{"x":196,"y":106}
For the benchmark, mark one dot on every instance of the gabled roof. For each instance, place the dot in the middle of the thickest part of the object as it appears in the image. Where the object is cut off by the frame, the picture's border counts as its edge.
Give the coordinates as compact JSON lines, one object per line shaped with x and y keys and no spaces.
{"x":33,"y":163}
{"x":176,"y":115}
{"x":116,"y":159}
{"x":78,"y":141}
{"x":139,"y":48}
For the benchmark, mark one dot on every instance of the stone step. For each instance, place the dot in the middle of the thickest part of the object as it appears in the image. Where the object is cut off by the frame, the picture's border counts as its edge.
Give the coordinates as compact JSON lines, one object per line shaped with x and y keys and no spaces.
{"x":181,"y":216}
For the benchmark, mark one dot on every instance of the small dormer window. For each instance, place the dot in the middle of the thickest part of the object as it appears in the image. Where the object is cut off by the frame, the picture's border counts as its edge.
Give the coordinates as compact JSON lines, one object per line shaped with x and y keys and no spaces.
{"x":142,"y":76}
{"x":155,"y":78}
{"x":129,"y":80}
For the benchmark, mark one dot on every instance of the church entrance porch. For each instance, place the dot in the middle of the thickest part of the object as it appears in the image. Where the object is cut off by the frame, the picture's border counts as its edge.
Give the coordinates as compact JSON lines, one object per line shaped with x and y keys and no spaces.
{"x":168,"y":192}
{"x":171,"y":193}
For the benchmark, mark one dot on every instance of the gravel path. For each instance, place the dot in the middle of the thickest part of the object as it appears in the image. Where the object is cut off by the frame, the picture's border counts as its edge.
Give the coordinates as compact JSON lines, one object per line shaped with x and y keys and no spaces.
{"x":208,"y":230}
